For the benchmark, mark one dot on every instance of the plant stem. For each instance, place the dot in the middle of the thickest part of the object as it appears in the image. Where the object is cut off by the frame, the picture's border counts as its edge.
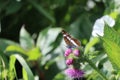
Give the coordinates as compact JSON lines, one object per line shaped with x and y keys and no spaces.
{"x":95,"y":68}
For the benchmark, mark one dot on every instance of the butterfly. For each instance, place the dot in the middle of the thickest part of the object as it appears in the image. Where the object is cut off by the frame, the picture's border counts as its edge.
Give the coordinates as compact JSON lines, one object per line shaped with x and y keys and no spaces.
{"x":70,"y":41}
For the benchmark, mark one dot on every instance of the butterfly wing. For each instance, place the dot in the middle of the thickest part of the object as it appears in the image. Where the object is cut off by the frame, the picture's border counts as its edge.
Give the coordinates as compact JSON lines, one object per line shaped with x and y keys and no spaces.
{"x":71,"y":42}
{"x":68,"y":42}
{"x":77,"y":42}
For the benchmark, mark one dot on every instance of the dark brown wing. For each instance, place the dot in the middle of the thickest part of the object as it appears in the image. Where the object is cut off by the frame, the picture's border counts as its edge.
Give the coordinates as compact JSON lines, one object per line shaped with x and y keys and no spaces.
{"x":69,"y":40}
{"x":76,"y":41}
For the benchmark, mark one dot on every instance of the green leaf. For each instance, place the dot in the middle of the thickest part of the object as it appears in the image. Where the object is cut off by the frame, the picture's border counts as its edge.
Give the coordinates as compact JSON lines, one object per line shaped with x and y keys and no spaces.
{"x":111,"y":43}
{"x":34,"y":54}
{"x":112,"y":35}
{"x":15,"y":48}
{"x":3,"y":66}
{"x":4,"y":43}
{"x":12,"y":71}
{"x":113,"y":51}
{"x":46,"y":38}
{"x":92,"y":42}
{"x":60,"y":76}
{"x":26,"y":40}
{"x":12,"y":63}
{"x":25,"y":77}
{"x":25,"y":66}
{"x":4,"y":58}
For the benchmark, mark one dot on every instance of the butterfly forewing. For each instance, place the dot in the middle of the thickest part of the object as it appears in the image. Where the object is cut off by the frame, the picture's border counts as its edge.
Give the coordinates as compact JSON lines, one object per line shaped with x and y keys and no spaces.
{"x":76,"y":41}
{"x":70,"y":41}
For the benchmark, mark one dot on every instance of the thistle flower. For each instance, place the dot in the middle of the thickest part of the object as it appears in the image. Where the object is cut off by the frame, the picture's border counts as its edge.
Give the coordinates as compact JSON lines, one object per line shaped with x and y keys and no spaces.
{"x":76,"y":52}
{"x":67,"y":52}
{"x":74,"y":73}
{"x":72,"y":70}
{"x":69,"y":61}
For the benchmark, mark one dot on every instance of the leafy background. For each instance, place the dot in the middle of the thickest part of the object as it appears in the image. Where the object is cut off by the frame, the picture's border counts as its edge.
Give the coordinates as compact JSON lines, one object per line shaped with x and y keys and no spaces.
{"x":31,"y":43}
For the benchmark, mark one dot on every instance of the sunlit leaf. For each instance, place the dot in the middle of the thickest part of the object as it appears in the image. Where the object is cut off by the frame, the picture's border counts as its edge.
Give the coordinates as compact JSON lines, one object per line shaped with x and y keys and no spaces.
{"x":15,"y":48}
{"x":3,"y":65}
{"x":26,"y":40}
{"x":111,"y":42}
{"x":92,"y":42}
{"x":46,"y":38}
{"x":25,"y":77}
{"x":12,"y":72}
{"x":34,"y":54}
{"x":25,"y":66}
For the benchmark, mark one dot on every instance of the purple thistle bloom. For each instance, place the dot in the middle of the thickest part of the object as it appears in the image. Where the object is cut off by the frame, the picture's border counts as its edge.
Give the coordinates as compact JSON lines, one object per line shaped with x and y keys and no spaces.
{"x":74,"y":73}
{"x":69,"y":61}
{"x":76,"y":52}
{"x":67,"y":52}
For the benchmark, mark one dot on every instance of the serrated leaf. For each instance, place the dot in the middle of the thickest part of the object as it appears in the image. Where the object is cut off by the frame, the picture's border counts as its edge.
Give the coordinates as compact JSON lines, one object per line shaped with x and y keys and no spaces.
{"x":26,"y":40}
{"x":113,"y":51}
{"x":112,"y":35}
{"x":111,"y":43}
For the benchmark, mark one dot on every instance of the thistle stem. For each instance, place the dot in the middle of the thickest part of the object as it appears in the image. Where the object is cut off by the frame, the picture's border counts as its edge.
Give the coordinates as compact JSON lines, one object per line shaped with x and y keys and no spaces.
{"x":95,"y":68}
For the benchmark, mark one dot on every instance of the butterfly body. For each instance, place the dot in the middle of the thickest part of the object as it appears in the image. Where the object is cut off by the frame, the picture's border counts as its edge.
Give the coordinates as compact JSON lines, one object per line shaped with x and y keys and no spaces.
{"x":70,"y":41}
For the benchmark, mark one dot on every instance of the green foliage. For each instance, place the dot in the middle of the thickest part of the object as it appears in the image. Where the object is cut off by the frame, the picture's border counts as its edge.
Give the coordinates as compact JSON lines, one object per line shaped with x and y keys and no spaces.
{"x":31,"y":52}
{"x":111,"y":44}
{"x":25,"y":66}
{"x":3,"y":65}
{"x":12,"y":72}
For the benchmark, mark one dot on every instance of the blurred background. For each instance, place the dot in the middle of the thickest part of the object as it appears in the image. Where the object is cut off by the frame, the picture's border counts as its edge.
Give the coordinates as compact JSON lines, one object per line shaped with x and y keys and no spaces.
{"x":75,"y":16}
{"x":32,"y":28}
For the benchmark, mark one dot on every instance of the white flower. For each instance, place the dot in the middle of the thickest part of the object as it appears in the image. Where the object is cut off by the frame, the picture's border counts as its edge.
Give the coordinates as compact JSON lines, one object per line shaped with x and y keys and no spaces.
{"x":110,"y":21}
{"x":98,"y":28}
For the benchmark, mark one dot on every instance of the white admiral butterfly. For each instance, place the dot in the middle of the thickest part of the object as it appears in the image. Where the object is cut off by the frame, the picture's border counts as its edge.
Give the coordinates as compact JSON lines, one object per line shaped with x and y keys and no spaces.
{"x":70,"y":41}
